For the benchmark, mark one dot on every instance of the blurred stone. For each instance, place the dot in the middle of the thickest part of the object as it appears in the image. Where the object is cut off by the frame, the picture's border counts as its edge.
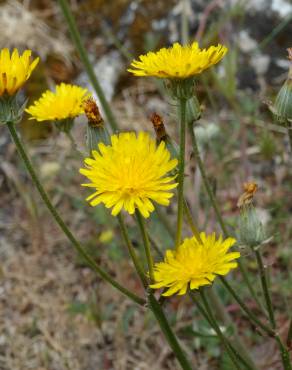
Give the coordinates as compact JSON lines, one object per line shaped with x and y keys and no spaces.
{"x":107,"y":70}
{"x":280,"y":7}
{"x":260,"y":63}
{"x":246,"y":42}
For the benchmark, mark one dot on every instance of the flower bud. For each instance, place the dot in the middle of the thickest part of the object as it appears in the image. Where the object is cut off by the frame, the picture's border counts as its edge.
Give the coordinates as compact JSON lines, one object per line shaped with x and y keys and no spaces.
{"x":251,"y":231}
{"x":181,"y":88}
{"x":96,"y":132}
{"x":161,"y":135}
{"x":283,"y":104}
{"x":92,"y":113}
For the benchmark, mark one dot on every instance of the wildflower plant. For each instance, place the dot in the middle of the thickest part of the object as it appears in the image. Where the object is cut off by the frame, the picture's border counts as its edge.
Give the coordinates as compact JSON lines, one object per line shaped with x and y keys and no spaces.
{"x":132,"y":172}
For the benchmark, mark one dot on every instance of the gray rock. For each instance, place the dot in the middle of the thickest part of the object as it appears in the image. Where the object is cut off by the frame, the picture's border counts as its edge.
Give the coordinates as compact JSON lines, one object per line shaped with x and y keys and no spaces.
{"x":107,"y":70}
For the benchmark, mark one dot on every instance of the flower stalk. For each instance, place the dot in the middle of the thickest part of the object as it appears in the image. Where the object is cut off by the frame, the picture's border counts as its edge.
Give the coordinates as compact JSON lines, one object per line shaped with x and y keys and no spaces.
{"x":284,"y":352}
{"x":289,"y":131}
{"x":62,"y":224}
{"x":181,"y":168}
{"x":167,"y":331}
{"x":206,"y":181}
{"x":132,"y":252}
{"x":146,"y":243}
{"x":253,"y":318}
{"x":265,"y":287}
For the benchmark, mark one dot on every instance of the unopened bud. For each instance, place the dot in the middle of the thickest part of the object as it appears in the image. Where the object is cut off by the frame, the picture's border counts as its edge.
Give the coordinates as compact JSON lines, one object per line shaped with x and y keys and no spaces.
{"x":96,"y":131}
{"x":251,"y":231}
{"x":161,"y":135}
{"x":283,"y":104}
{"x":92,"y":113}
{"x":246,"y":198}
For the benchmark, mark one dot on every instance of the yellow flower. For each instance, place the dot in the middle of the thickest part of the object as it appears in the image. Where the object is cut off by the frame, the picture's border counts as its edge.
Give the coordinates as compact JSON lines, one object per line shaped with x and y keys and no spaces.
{"x":178,"y":62}
{"x":66,"y":102}
{"x":130,"y":173}
{"x":14,"y":70}
{"x":194,"y":264}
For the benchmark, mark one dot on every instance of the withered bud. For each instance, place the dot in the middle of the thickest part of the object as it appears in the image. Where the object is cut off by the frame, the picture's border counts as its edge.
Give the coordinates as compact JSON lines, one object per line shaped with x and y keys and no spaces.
{"x":92,"y":113}
{"x":246,"y":198}
{"x":159,"y":127}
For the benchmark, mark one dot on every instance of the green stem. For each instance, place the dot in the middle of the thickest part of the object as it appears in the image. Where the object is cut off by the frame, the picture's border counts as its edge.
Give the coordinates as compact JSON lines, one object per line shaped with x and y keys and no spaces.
{"x":206,"y":181}
{"x":218,"y":331}
{"x":244,"y":273}
{"x":289,"y":129}
{"x":289,"y":336}
{"x":243,"y":306}
{"x":146,"y":244}
{"x":86,"y":62}
{"x":184,"y":22}
{"x":181,"y":169}
{"x":131,"y":250}
{"x":285,"y":356}
{"x":62,"y":224}
{"x":265,"y":288}
{"x":213,"y":199}
{"x":234,"y":350}
{"x":74,"y":145}
{"x":167,"y":331}
{"x":190,"y":221}
{"x":284,"y":352}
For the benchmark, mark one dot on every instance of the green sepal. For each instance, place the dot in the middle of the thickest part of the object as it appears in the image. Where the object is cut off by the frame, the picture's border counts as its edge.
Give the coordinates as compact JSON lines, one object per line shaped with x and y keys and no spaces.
{"x":10,"y":109}
{"x":96,"y":135}
{"x":65,"y":125}
{"x":283,"y":104}
{"x":251,"y":231}
{"x":181,"y":88}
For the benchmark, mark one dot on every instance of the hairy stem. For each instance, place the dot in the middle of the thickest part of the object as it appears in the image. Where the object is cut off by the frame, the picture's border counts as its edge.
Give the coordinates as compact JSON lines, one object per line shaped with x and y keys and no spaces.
{"x":181,"y":174}
{"x":167,"y":331}
{"x":146,"y":243}
{"x":253,"y":318}
{"x":265,"y":288}
{"x":284,"y":352}
{"x":131,"y":250}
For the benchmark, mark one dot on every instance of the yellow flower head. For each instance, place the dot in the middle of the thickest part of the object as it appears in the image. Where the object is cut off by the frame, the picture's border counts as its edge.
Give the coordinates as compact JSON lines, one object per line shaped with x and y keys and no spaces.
{"x":179,"y":62}
{"x":66,"y":102}
{"x":194,"y":264}
{"x":130,"y":173}
{"x":15,"y":70}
